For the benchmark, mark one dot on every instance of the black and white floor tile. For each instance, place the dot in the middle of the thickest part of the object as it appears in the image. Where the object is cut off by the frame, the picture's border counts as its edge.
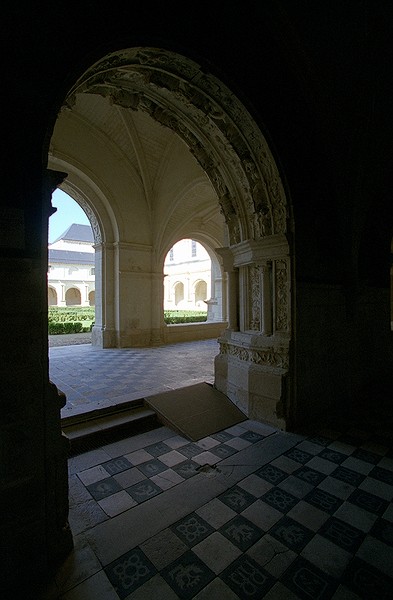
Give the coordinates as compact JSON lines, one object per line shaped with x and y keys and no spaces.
{"x":317,"y":526}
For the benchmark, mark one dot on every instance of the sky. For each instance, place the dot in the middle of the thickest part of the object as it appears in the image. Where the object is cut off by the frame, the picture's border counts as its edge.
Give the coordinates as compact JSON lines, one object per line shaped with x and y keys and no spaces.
{"x":68,"y":212}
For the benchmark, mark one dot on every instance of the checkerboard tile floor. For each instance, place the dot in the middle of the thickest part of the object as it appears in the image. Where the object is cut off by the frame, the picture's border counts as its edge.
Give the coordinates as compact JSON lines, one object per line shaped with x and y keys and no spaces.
{"x":313,"y":520}
{"x":95,"y":378}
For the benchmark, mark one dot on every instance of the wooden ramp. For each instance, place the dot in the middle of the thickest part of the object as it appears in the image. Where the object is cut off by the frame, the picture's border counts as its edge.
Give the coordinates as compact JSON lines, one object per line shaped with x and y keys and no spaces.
{"x":195,"y":411}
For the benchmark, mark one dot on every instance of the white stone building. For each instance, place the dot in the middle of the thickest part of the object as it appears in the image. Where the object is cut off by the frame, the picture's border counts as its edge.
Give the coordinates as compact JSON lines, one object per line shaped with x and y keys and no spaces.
{"x":71,"y":268}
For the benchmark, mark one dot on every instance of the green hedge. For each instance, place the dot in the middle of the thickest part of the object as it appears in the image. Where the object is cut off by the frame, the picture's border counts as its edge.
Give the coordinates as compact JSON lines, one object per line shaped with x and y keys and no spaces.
{"x":81,"y":319}
{"x":172,"y":317}
{"x":75,"y":313}
{"x":75,"y":319}
{"x":65,"y":327}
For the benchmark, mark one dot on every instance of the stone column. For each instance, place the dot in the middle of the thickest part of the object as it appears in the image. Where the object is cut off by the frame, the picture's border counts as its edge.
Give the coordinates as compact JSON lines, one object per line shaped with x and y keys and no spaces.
{"x":157,"y":307}
{"x":233,"y":288}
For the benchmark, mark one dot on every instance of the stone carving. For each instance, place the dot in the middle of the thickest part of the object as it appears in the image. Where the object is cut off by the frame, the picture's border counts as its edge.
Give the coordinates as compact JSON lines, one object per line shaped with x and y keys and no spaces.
{"x":281,"y":300}
{"x":255,"y":298}
{"x":272,"y":357}
{"x":90,"y":215}
{"x":175,"y":92}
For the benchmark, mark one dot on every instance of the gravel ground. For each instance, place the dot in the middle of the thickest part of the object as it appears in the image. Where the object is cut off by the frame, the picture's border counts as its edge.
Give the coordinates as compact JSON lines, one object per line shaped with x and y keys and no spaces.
{"x":69,"y":339}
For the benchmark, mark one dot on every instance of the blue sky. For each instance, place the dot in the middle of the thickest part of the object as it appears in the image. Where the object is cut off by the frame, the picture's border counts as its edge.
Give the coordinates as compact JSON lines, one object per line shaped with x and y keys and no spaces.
{"x":68,"y":212}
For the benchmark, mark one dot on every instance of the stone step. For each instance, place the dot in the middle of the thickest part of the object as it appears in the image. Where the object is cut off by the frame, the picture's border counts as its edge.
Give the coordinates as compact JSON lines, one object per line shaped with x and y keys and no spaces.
{"x":107,"y":426}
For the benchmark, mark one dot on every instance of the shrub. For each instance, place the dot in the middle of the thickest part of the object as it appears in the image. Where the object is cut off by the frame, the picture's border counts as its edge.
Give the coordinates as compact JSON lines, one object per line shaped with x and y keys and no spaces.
{"x":172,"y":317}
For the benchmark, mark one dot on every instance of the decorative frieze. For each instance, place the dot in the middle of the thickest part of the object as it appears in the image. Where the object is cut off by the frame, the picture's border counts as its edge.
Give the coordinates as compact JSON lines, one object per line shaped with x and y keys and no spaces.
{"x":281,"y":296}
{"x":269,"y":356}
{"x":255,"y":298}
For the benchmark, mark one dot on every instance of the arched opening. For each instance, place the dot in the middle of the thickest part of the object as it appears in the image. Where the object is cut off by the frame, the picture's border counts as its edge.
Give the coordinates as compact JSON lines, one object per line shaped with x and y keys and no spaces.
{"x":52,"y":296}
{"x":200,"y":293}
{"x":71,"y":258}
{"x":164,"y":151}
{"x":186,"y":264}
{"x":92,"y":298}
{"x":73,"y":297}
{"x":179,"y":294}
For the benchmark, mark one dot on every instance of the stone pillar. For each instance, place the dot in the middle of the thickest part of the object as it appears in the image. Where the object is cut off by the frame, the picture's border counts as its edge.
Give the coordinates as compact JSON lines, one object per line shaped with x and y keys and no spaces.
{"x":104,"y":330}
{"x":232,"y":288}
{"x":157,"y":316}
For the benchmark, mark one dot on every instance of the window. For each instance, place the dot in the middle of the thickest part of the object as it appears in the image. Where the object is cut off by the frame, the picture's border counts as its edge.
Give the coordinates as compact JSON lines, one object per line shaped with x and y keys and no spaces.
{"x":92,"y":271}
{"x":193,"y":248}
{"x":171,"y":257}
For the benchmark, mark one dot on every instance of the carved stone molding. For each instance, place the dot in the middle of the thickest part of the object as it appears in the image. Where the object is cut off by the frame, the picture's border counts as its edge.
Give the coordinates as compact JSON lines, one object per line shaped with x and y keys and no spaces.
{"x":281,"y":295}
{"x":255,"y":298}
{"x":271,"y":357}
{"x":220,"y":133}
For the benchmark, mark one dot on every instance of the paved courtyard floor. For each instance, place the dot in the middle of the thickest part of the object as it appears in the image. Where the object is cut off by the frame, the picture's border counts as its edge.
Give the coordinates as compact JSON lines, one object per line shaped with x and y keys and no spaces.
{"x":94,"y":378}
{"x":249,"y":512}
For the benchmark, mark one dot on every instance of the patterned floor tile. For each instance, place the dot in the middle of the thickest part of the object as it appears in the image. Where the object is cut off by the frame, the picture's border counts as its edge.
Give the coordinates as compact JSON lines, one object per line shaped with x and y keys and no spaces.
{"x":341,"y":533}
{"x":280,"y":499}
{"x":308,"y":582}
{"x":309,"y":475}
{"x":367,"y":456}
{"x":187,"y":575}
{"x":271,"y":474}
{"x":190,"y":450}
{"x":323,"y":500}
{"x":383,"y":531}
{"x":158,"y":449}
{"x":222,"y":436}
{"x":367,"y":582}
{"x":192,"y":529}
{"x":186,"y":469}
{"x":368,"y":502}
{"x":348,"y":476}
{"x":105,"y":487}
{"x":291,"y":533}
{"x":333,"y":456}
{"x":152,"y":467}
{"x":237,"y":499}
{"x":247,"y":579}
{"x":223,"y":451}
{"x":320,"y":440}
{"x":382,"y":475}
{"x":143,"y":491}
{"x":241,"y":532}
{"x":299,"y":455}
{"x":251,"y":436}
{"x":129,"y":572}
{"x":117,"y":465}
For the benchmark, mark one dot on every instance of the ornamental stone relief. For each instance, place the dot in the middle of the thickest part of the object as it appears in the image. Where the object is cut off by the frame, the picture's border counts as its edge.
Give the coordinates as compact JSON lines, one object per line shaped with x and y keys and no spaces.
{"x":281,"y":295}
{"x":210,"y":119}
{"x":272,"y":357}
{"x":255,"y":298}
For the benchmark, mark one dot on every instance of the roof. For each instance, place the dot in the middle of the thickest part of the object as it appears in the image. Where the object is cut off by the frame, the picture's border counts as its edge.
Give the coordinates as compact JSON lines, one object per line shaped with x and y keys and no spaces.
{"x":77,"y":233}
{"x":70,"y":257}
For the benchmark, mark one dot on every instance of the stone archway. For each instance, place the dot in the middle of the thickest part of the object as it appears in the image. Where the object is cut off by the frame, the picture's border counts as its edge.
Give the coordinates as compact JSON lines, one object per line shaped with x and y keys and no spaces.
{"x":254,"y":367}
